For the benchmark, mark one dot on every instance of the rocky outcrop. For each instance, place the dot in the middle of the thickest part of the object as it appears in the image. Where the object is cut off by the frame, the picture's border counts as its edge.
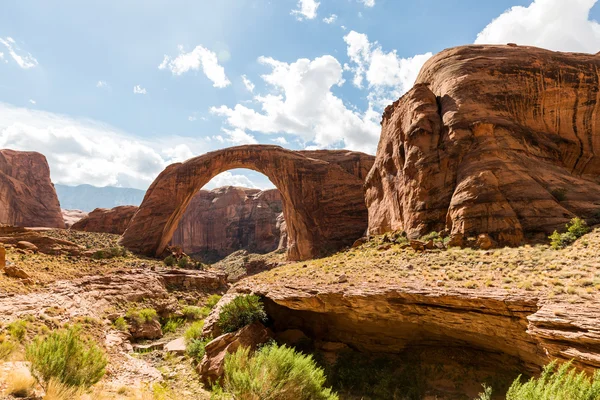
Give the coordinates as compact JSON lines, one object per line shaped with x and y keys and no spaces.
{"x":501,"y":140}
{"x":221,"y":221}
{"x":34,"y":240}
{"x":72,"y":216}
{"x":104,"y":220}
{"x":27,"y":196}
{"x":322,"y":194}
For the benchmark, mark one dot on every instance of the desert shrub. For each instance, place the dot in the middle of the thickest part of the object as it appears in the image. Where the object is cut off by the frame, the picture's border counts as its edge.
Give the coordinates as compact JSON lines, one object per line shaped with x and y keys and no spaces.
{"x":194,"y":331}
{"x":241,"y":311}
{"x":183,"y":262}
{"x":17,"y":329}
{"x":172,"y":324}
{"x":212,"y":300}
{"x":66,"y":356}
{"x":195,"y":348}
{"x":6,"y":348}
{"x":170,"y":261}
{"x":56,"y":390}
{"x":274,"y":372}
{"x":99,"y":255}
{"x":117,"y":251}
{"x":20,"y":383}
{"x":193,"y":312}
{"x":576,"y":228}
{"x":142,"y":316}
{"x":435,"y":236}
{"x":557,"y":383}
{"x":121,"y":325}
{"x":487,"y":393}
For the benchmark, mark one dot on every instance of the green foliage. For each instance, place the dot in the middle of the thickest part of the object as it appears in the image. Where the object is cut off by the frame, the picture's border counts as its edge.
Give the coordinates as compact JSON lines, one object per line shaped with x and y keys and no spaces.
{"x":241,"y":311}
{"x":17,"y":329}
{"x":172,"y":324}
{"x":142,"y":316}
{"x":67,"y":357}
{"x":121,"y":325}
{"x":576,"y":228}
{"x":487,"y":393}
{"x":274,"y":372}
{"x":562,"y":383}
{"x":170,"y":261}
{"x":195,"y":348}
{"x":193,"y":312}
{"x":6,"y":348}
{"x":194,"y":331}
{"x":212,"y":300}
{"x":435,"y":236}
{"x":111,"y":252}
{"x":183,"y":262}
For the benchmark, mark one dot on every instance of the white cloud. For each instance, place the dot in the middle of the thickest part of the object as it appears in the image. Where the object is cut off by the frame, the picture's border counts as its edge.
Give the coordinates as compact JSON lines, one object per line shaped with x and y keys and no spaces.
{"x":137,"y":89}
{"x":303,"y":104}
{"x":248,"y":84}
{"x":388,"y":75}
{"x":101,"y":84}
{"x":32,"y":101}
{"x":307,"y":9}
{"x":367,"y":3}
{"x":238,"y":137}
{"x":24,"y":60}
{"x":192,"y":118}
{"x":83,"y":151}
{"x":331,"y":19}
{"x":281,"y":140}
{"x":553,"y":24}
{"x":199,"y":57}
{"x":228,"y":179}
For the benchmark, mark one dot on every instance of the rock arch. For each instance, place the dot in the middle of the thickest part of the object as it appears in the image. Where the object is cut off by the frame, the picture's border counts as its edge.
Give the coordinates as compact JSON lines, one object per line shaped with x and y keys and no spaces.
{"x":322,"y":192}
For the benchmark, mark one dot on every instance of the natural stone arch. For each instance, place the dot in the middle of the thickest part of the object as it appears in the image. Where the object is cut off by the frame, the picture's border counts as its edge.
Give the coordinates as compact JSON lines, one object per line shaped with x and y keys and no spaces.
{"x":322,"y":192}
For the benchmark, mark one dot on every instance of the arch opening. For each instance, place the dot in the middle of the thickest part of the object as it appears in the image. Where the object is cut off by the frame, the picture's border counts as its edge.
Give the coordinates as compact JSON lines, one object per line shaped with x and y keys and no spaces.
{"x":321,"y":192}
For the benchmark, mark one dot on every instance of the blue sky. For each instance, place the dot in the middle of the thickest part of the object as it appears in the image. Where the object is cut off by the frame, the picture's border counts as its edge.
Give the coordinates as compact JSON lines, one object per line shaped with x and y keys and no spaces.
{"x":112,"y":91}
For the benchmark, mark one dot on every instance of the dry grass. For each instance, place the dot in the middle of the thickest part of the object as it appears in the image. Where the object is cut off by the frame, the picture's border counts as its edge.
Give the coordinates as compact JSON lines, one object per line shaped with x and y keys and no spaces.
{"x":571,"y":274}
{"x":58,"y":391}
{"x":20,"y":383}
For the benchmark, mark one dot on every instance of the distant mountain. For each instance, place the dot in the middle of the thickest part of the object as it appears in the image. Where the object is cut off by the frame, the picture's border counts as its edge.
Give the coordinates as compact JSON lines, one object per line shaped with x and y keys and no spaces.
{"x":88,"y":197}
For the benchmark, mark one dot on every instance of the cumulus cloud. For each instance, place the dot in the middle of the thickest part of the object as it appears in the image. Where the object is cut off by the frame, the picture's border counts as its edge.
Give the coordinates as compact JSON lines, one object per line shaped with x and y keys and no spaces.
{"x":23,"y":59}
{"x":229,"y":179}
{"x":101,"y":84}
{"x":331,"y":19}
{"x":137,"y":89}
{"x":367,"y":3}
{"x":281,"y":140}
{"x":302,"y":103}
{"x":248,"y":84}
{"x":388,"y":75}
{"x":32,"y":101}
{"x":198,"y":58}
{"x":238,"y":137}
{"x":307,"y":9}
{"x":82,"y":151}
{"x":553,"y":24}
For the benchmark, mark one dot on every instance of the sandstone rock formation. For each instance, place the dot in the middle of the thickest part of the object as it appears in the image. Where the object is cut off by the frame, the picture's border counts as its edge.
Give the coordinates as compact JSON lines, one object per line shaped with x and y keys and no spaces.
{"x":503,"y":140}
{"x":322,"y":194}
{"x":114,"y":220}
{"x":224,"y":220}
{"x":72,"y":216}
{"x":34,"y":240}
{"x":27,"y":196}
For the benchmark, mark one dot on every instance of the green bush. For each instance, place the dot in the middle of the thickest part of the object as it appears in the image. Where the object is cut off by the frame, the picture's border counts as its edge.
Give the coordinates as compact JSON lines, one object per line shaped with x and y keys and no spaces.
{"x":195,"y":348}
{"x":67,"y":357}
{"x":6,"y":348}
{"x":487,"y":393}
{"x":274,"y":372}
{"x":241,"y":311}
{"x":17,"y":329}
{"x":183,"y":262}
{"x":170,"y":261}
{"x":142,"y":316}
{"x":172,"y":324}
{"x":212,"y":300}
{"x":121,"y":325}
{"x":193,"y":312}
{"x":194,"y":331}
{"x":576,"y":228}
{"x":557,"y":383}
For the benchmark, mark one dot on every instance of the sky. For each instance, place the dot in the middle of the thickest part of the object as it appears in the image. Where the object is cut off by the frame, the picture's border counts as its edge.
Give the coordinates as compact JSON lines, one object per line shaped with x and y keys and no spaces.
{"x":112,"y":91}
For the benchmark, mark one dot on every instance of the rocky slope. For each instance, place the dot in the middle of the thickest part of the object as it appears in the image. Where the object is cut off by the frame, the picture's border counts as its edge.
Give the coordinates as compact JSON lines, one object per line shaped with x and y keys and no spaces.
{"x":221,"y":221}
{"x":502,"y":140}
{"x":114,"y":220}
{"x":27,"y":196}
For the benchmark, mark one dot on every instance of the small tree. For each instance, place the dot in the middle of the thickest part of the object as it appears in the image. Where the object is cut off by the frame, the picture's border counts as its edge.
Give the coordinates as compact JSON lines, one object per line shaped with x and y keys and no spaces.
{"x":241,"y":311}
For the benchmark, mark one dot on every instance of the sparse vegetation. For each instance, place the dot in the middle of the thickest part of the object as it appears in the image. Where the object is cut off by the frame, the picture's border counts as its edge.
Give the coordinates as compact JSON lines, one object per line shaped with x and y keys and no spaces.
{"x":212,"y":300}
{"x":195,"y":348}
{"x":20,"y":383}
{"x":111,"y":252}
{"x":121,"y":325}
{"x":66,"y":356}
{"x":194,"y":331}
{"x":241,"y":311}
{"x":170,"y":261}
{"x":17,"y":329}
{"x":172,"y":325}
{"x":140,"y":317}
{"x":576,"y":228}
{"x":274,"y":372}
{"x":6,"y":347}
{"x":194,"y":312}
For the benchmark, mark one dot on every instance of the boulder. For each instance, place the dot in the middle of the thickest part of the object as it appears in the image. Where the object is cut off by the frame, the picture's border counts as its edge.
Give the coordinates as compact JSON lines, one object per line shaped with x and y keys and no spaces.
{"x":146,"y":330}
{"x":500,"y":140}
{"x":417,"y":245}
{"x":484,"y":242}
{"x":212,"y":364}
{"x":24,"y":245}
{"x":27,"y":196}
{"x":103,"y":220}
{"x":176,"y":346}
{"x":13,"y":271}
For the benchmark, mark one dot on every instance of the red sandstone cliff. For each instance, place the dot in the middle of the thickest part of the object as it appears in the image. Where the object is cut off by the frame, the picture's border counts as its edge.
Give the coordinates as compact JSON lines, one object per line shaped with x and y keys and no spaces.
{"x":27,"y":196}
{"x":114,"y":220}
{"x":502,"y":140}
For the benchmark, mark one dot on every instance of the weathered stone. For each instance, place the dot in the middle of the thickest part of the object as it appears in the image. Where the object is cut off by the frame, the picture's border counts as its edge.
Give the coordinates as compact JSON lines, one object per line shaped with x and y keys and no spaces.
{"x":27,"y":196}
{"x":114,"y":220}
{"x":2,"y":256}
{"x":484,"y":242}
{"x":456,"y":240}
{"x":491,"y":139}
{"x":15,"y":272}
{"x":211,"y":327}
{"x":291,"y":337}
{"x":417,"y":245}
{"x":142,"y":348}
{"x":146,"y":330}
{"x":322,"y":192}
{"x":24,"y":245}
{"x":211,"y":367}
{"x":359,"y":242}
{"x":176,"y":346}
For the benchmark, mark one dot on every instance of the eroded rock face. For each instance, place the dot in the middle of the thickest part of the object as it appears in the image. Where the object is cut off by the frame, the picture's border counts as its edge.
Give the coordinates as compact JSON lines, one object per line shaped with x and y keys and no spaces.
{"x":27,"y":196}
{"x":114,"y":220}
{"x":72,"y":216}
{"x":503,"y":140}
{"x":221,"y":221}
{"x":322,"y":194}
